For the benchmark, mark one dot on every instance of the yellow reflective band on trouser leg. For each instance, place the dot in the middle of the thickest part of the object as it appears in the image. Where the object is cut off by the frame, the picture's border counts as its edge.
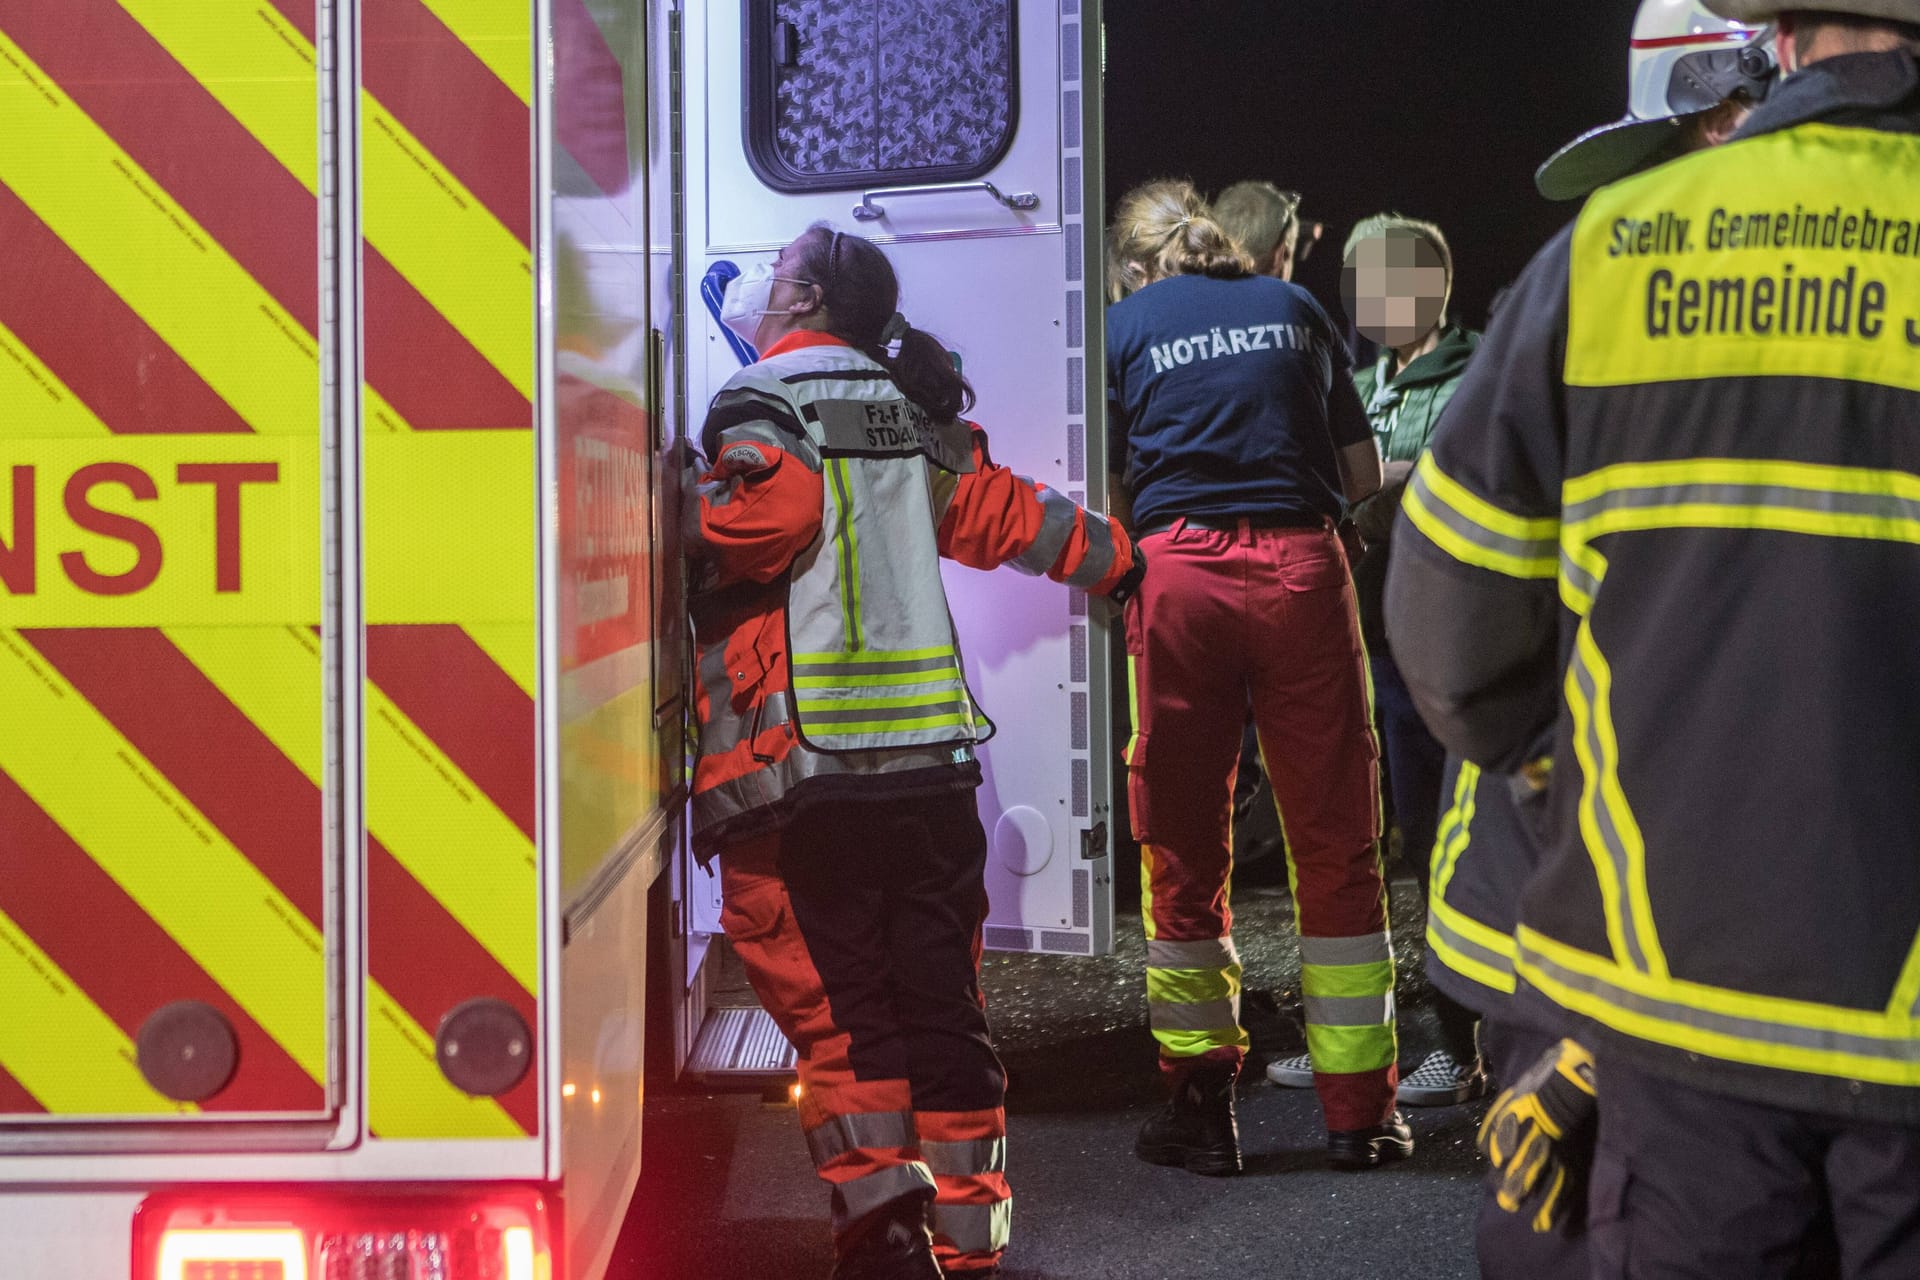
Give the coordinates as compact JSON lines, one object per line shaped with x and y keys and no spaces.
{"x":1347,"y":989}
{"x":1194,"y":1010}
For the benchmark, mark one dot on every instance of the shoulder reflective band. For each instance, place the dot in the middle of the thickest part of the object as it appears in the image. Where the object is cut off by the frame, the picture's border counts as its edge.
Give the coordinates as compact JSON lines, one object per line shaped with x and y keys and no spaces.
{"x":1474,"y":531}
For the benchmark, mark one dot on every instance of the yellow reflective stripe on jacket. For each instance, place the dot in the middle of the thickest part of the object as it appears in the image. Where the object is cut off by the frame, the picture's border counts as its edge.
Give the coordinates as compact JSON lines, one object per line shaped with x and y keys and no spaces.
{"x":1468,"y":947}
{"x":1607,"y":825}
{"x":1878,"y":1047}
{"x":1474,"y":531}
{"x":1727,"y":493}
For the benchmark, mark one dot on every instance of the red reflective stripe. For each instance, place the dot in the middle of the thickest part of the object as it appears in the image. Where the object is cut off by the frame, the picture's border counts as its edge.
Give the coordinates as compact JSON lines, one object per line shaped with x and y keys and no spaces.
{"x":14,"y":1098}
{"x":123,"y":959}
{"x":474,"y":712}
{"x":299,"y":13}
{"x":589,"y":108}
{"x":430,"y":964}
{"x":1674,"y":42}
{"x":448,"y":99}
{"x":175,"y":130}
{"x":93,"y":341}
{"x":425,"y":368}
{"x":220,"y":761}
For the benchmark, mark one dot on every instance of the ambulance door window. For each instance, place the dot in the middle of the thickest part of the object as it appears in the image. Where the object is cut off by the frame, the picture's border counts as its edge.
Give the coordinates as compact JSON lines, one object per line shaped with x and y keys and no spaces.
{"x":851,"y":93}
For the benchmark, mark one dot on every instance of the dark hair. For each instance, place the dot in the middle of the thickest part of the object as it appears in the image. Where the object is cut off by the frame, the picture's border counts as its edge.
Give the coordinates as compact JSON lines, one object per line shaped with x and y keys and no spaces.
{"x":861,"y":293}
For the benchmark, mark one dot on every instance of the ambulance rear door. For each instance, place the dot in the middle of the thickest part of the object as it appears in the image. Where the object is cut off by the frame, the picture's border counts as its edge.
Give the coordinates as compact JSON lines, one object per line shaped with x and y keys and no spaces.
{"x":962,"y":137}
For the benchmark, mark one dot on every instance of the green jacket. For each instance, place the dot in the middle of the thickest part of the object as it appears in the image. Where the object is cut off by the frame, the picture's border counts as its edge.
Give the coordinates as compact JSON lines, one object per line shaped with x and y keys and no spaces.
{"x":1402,"y":410}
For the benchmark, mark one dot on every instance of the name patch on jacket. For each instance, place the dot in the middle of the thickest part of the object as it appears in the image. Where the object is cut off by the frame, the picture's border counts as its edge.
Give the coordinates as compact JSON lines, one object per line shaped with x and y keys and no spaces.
{"x":892,"y":427}
{"x":1790,"y":254}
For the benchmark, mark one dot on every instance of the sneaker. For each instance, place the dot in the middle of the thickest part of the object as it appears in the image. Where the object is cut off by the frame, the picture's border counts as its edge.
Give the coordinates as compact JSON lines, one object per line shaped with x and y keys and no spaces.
{"x":1441,"y":1080}
{"x":1196,"y":1130}
{"x":1365,"y":1148}
{"x":1292,"y":1073}
{"x":896,"y":1246}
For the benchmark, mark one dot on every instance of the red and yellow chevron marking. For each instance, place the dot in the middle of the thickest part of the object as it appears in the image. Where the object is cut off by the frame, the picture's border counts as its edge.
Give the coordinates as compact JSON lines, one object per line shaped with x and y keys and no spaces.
{"x":159,"y":514}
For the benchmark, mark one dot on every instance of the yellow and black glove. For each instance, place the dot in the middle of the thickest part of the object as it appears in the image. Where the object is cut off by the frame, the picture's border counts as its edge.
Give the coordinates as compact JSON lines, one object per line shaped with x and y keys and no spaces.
{"x":1536,"y":1135}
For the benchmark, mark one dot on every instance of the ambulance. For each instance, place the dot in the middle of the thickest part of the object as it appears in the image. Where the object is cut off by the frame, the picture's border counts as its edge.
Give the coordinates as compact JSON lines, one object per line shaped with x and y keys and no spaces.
{"x":347,"y":350}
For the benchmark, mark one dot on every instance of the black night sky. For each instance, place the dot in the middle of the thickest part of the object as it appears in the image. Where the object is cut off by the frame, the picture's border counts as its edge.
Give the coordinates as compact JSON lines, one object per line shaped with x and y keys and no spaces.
{"x":1440,"y":109}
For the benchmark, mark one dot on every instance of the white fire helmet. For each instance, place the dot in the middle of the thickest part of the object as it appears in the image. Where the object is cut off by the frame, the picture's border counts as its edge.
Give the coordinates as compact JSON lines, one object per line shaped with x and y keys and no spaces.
{"x":1684,"y":60}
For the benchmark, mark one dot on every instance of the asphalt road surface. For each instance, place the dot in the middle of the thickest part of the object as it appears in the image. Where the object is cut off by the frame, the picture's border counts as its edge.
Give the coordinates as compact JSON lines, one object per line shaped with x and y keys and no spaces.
{"x":727,"y":1190}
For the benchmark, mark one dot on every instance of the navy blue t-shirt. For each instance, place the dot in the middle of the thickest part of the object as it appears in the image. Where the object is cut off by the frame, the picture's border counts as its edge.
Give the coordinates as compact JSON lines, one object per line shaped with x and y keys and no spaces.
{"x":1229,"y":398}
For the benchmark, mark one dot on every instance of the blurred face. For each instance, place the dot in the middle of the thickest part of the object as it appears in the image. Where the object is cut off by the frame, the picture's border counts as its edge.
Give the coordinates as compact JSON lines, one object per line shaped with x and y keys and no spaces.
{"x":1395,"y":286}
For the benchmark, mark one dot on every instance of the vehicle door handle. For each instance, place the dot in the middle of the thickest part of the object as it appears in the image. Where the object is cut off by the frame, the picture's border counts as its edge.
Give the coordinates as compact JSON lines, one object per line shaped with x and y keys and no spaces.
{"x":868,"y":211}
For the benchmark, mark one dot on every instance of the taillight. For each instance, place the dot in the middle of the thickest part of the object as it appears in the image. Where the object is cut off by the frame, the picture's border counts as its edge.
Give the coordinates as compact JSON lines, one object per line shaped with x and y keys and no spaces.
{"x":458,"y":1235}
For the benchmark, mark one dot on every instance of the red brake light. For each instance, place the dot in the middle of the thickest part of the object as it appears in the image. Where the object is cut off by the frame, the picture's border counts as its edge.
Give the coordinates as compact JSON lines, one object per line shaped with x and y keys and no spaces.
{"x":456,"y":1235}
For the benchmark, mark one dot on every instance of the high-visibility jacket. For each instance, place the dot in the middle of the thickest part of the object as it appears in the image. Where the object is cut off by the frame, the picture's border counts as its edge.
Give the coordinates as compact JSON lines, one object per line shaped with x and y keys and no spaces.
{"x":1673,"y":516}
{"x":826,"y":656}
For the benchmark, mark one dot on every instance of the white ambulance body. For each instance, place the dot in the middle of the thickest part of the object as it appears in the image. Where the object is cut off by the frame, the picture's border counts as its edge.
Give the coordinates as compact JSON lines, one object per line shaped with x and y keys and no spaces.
{"x":343,"y":347}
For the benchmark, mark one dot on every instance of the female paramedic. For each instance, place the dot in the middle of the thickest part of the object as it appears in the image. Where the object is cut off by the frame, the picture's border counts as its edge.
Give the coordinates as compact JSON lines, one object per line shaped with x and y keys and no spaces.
{"x":836,"y":765}
{"x":1232,"y":403}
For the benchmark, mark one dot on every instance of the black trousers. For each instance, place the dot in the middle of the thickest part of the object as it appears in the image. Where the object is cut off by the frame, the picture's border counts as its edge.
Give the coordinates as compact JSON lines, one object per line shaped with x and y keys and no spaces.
{"x":1509,"y":1248}
{"x":1689,"y":1185}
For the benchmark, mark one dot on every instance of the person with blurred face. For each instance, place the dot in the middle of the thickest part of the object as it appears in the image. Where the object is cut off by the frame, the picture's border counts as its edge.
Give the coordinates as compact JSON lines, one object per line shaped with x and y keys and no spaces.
{"x":1396,"y":281}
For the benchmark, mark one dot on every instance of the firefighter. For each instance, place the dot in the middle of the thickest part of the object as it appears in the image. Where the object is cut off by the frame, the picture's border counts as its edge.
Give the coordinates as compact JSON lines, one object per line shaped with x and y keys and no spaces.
{"x":1683,"y":96}
{"x":837,"y":767}
{"x":1233,"y":406}
{"x":1665,"y":529}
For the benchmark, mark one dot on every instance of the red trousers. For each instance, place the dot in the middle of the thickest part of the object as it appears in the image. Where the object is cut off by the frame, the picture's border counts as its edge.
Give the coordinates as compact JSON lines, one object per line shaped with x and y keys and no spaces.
{"x":859,"y":927}
{"x":1228,"y":617}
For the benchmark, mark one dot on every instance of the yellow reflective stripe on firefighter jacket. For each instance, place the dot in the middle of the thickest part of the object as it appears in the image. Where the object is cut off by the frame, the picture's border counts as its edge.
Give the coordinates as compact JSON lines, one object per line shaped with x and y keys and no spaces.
{"x":1673,"y":515}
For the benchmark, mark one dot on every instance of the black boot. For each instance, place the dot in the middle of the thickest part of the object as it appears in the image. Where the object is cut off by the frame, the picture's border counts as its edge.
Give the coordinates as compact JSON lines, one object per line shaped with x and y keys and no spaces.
{"x":892,"y":1244}
{"x":1196,"y":1130}
{"x":1365,"y":1148}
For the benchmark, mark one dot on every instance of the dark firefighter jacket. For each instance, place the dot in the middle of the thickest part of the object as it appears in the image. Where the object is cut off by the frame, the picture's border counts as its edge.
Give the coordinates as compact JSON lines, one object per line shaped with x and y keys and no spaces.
{"x":1672,"y":518}
{"x":826,"y":656}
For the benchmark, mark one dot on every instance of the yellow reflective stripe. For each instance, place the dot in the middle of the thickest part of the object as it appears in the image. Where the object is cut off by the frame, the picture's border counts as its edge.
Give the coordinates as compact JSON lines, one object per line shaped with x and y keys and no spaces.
{"x":932,"y":698}
{"x":513,"y":650}
{"x":1714,"y":1021}
{"x":1444,"y":922}
{"x":273,"y":675}
{"x":144,"y":245}
{"x":33,"y":398}
{"x":938,"y":676}
{"x":1192,"y":986}
{"x":447,"y":244}
{"x":423,"y":219}
{"x":255,"y":63}
{"x":1456,"y":829}
{"x":1772,"y":473}
{"x":260,"y":68}
{"x":1906,"y":992}
{"x":496,"y":31}
{"x":452,"y":838}
{"x":1620,"y":860}
{"x":872,"y":656}
{"x":434,"y":551}
{"x":1474,"y":531}
{"x":883,"y":726}
{"x":414,"y":1098}
{"x":60,"y":1045}
{"x":209,"y":897}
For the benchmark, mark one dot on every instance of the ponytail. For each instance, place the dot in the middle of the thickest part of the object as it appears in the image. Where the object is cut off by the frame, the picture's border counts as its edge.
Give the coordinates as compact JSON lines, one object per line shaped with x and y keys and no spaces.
{"x":859,"y":290}
{"x":1165,"y":229}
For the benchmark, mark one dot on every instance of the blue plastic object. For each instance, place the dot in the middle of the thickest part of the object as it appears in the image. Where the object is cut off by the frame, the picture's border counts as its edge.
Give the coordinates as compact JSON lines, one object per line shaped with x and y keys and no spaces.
{"x":713,"y":290}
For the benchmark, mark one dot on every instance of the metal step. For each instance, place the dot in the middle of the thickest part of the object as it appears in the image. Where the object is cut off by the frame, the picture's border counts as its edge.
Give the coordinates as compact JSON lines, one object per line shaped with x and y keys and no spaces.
{"x":740,"y":1049}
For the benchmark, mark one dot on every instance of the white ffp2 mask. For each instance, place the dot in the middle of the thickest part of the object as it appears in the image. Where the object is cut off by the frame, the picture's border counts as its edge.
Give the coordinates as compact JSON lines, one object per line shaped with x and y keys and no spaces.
{"x":746,"y":299}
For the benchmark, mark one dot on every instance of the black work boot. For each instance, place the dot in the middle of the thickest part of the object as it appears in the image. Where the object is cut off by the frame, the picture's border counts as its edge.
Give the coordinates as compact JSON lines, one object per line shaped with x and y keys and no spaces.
{"x":1196,"y":1130}
{"x":1365,"y":1148}
{"x":892,"y":1244}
